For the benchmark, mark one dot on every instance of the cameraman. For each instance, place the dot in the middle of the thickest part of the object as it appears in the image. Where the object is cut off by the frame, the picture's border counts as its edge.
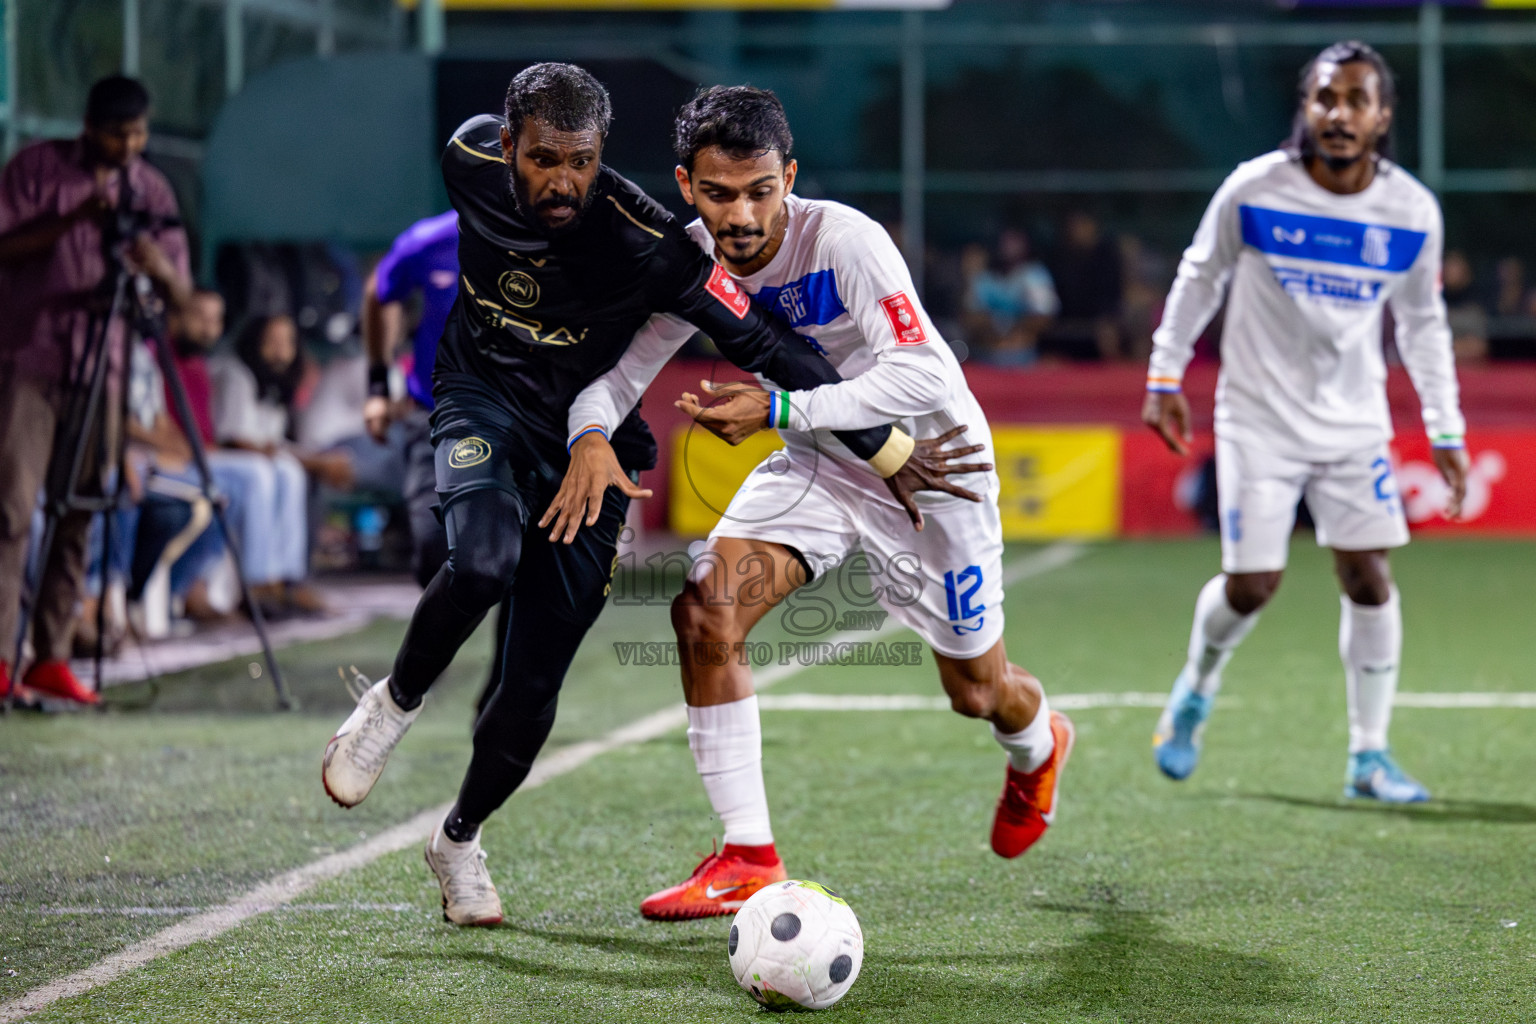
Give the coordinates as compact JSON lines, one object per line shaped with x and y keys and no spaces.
{"x":60,"y":203}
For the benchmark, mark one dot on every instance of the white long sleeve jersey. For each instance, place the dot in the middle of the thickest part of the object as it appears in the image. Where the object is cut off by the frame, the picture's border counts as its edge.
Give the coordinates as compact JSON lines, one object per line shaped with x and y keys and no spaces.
{"x":840,"y":282}
{"x":1302,"y":371}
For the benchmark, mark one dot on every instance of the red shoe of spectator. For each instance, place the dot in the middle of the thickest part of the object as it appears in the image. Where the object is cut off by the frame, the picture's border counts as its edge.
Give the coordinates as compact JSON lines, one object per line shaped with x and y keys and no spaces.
{"x":54,"y":679}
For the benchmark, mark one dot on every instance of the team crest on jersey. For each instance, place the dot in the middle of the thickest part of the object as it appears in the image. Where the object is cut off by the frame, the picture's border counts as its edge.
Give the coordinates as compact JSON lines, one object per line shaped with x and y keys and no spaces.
{"x":470,"y":451}
{"x":904,"y":319}
{"x":730,"y":294}
{"x":519,"y":288}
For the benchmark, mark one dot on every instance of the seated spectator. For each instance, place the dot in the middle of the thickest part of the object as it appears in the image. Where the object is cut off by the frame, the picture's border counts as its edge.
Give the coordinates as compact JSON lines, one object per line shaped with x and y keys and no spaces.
{"x":1468,"y":318}
{"x":1009,"y":300}
{"x":1086,"y":267}
{"x":266,"y":481}
{"x":167,"y":518}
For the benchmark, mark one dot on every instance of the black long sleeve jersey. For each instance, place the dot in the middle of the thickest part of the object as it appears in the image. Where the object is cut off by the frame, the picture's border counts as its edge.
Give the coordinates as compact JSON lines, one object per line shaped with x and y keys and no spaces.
{"x":539,"y":317}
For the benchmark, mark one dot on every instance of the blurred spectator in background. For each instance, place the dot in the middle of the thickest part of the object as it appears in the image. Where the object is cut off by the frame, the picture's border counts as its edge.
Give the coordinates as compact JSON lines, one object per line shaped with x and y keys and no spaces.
{"x":166,"y":522}
{"x":1467,"y":317}
{"x":253,"y":392}
{"x":1009,"y":300}
{"x":55,"y":199}
{"x":264,"y":509}
{"x":1509,"y":294}
{"x":1087,"y":271}
{"x":1146,"y":274}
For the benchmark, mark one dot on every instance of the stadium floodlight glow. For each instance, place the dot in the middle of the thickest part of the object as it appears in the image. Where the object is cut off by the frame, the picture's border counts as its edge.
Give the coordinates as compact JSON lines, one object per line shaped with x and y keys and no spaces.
{"x":688,"y":5}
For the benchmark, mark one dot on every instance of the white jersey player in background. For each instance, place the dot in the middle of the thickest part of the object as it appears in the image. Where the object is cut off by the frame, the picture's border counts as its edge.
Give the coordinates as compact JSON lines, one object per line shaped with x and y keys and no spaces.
{"x":838,"y":279}
{"x":1315,"y":239}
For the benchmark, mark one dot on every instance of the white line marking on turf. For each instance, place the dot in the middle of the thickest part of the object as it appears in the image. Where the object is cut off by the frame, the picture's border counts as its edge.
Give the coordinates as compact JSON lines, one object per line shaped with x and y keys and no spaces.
{"x":1087,"y":701}
{"x":291,"y":908}
{"x":286,"y":887}
{"x":919,"y":702}
{"x":1465,"y":700}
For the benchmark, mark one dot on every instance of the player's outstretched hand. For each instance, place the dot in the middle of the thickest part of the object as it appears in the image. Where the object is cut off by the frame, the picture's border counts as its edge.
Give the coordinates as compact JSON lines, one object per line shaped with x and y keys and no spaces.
{"x":1453,"y":464}
{"x":593,"y":469}
{"x":1167,"y":413}
{"x":928,"y":469}
{"x":735,"y":411}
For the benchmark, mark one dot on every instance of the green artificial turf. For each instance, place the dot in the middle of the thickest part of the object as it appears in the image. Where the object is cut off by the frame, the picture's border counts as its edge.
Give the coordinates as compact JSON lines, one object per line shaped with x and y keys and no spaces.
{"x":1251,"y":892}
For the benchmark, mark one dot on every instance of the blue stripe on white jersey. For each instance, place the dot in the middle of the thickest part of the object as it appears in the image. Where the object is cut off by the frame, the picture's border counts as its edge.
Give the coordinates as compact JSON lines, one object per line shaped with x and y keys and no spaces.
{"x":1328,"y":240}
{"x":810,"y":301}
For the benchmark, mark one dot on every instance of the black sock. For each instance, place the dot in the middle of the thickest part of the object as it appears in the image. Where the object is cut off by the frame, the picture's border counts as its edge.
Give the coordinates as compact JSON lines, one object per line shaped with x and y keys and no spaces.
{"x":406,"y":702}
{"x":457,"y":829}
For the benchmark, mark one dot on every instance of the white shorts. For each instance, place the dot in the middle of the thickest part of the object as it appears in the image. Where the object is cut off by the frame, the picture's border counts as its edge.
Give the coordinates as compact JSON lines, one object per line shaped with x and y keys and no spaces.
{"x":1354,"y":504}
{"x":945,"y":582}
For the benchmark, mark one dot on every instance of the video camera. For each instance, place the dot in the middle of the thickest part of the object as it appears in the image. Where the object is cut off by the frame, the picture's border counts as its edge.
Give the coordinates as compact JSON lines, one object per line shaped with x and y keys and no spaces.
{"x":128,"y":222}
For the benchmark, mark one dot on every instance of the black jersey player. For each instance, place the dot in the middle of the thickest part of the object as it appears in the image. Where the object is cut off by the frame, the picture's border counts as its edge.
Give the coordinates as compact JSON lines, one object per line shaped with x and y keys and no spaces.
{"x":561,"y":262}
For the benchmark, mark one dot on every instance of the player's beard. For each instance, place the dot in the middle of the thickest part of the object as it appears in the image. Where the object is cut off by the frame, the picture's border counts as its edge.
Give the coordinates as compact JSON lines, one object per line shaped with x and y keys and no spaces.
{"x":531,"y":210}
{"x":1336,"y":164}
{"x":731,"y":257}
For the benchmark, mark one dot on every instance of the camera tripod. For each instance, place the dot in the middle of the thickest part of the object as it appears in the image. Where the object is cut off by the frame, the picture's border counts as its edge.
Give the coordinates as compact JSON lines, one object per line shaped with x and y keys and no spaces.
{"x":84,"y":430}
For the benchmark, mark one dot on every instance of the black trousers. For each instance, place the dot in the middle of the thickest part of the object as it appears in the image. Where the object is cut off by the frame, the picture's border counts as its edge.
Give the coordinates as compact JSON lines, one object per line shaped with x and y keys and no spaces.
{"x":492,"y":491}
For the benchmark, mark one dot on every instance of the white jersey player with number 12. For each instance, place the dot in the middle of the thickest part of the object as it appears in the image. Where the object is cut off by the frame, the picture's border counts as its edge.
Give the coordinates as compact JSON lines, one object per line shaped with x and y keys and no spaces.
{"x":837,"y":278}
{"x":1315,"y":239}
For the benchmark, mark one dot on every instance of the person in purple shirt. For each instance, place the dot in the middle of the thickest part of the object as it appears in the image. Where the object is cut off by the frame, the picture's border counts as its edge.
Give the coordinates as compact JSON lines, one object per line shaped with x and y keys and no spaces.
{"x":423,"y":260}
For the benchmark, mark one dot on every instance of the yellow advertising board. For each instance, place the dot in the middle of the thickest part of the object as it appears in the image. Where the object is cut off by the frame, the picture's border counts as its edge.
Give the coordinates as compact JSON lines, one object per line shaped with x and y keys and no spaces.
{"x":706,"y":473}
{"x":1058,"y":481}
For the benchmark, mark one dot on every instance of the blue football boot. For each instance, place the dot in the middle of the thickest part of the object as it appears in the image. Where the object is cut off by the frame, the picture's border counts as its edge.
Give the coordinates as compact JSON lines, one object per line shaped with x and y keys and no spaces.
{"x":1373,"y":775}
{"x":1176,"y":743}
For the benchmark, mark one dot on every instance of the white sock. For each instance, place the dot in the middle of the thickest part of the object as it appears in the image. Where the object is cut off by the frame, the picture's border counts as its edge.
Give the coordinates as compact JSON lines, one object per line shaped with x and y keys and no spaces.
{"x":1030,"y":746}
{"x":727,"y":745}
{"x":1371,"y":644}
{"x":1217,"y":631}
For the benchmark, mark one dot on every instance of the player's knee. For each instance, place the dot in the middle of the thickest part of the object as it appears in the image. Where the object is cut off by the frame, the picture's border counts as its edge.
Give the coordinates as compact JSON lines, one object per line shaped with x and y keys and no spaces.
{"x":482,"y":570}
{"x":476,"y":585}
{"x":1249,"y":591}
{"x":697,"y":619}
{"x":1365,"y":577}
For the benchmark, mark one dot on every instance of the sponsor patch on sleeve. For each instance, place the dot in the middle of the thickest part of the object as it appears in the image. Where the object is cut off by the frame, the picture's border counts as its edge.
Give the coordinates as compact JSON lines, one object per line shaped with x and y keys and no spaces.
{"x":730,"y":294}
{"x":902,"y":314}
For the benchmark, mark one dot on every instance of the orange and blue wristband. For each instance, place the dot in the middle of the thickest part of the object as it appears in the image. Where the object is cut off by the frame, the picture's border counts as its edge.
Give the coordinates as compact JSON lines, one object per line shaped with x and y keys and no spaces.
{"x":1166,"y":385}
{"x":583,"y":432}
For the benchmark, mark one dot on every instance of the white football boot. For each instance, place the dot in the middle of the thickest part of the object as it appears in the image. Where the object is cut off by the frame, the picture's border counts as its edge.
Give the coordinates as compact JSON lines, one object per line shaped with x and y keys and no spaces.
{"x":356,"y":755}
{"x":469,"y":898}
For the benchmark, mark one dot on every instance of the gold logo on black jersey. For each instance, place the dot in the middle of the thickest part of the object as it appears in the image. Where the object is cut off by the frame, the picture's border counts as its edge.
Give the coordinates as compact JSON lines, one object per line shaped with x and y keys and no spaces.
{"x":471,"y":451}
{"x":519,"y":288}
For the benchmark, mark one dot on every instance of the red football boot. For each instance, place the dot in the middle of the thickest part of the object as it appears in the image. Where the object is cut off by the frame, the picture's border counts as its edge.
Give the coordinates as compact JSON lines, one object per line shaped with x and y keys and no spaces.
{"x":5,"y":679}
{"x":1028,"y":804}
{"x":718,"y":886}
{"x":54,"y":679}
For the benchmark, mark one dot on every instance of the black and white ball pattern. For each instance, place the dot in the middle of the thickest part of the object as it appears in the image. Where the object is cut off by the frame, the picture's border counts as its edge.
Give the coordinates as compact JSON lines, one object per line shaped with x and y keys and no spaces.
{"x":796,"y":944}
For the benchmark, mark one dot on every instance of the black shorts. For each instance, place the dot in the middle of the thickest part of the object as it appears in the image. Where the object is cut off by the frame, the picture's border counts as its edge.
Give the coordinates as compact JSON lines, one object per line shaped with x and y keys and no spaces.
{"x":480,"y":447}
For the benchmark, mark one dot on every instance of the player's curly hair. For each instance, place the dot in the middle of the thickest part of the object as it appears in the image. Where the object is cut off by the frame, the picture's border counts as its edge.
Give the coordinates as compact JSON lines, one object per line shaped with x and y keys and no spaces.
{"x":1351,"y":51}
{"x":563,"y":96}
{"x":741,"y":119}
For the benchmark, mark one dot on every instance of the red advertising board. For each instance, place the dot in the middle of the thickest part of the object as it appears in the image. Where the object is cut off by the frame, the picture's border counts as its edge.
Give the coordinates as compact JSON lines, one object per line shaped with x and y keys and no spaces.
{"x":1159,"y":487}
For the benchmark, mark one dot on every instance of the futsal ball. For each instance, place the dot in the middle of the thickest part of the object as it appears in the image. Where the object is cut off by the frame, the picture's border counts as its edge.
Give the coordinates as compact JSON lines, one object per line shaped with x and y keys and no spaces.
{"x":796,"y":945}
